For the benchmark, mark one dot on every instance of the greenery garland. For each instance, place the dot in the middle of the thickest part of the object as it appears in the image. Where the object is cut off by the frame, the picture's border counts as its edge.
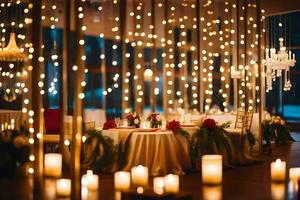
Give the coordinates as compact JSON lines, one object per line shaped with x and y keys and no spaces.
{"x":110,"y":154}
{"x":106,"y":157}
{"x":202,"y":140}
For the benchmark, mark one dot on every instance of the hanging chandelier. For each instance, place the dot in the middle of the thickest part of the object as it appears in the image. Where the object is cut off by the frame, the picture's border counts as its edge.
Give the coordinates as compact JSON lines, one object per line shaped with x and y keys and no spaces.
{"x":277,"y":63}
{"x":12,"y":52}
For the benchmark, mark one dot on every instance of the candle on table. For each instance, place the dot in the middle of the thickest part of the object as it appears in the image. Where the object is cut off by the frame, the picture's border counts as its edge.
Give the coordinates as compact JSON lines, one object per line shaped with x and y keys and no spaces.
{"x":278,"y":170}
{"x":12,"y":123}
{"x":2,"y":127}
{"x":122,"y":180}
{"x":90,"y":180}
{"x":53,"y":164}
{"x":294,"y":174}
{"x":63,"y":187}
{"x":212,"y":169}
{"x":125,"y":123}
{"x":172,"y":183}
{"x":143,"y":124}
{"x":158,"y":185}
{"x":163,"y":124}
{"x":139,"y":175}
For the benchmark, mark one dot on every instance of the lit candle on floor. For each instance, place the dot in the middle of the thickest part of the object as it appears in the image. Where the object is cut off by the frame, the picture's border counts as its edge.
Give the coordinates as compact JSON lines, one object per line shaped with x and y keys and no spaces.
{"x":139,"y":175}
{"x":158,"y":185}
{"x":12,"y":124}
{"x":172,"y":183}
{"x":63,"y":187}
{"x":212,"y":169}
{"x":53,"y":164}
{"x":278,"y":170}
{"x":294,"y":174}
{"x":90,"y":180}
{"x":122,"y":180}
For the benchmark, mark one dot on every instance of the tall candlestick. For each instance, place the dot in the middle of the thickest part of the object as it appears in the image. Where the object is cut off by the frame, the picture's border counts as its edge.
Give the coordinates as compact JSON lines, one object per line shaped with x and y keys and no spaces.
{"x":278,"y":170}
{"x":122,"y":180}
{"x":212,"y":169}
{"x":139,"y":175}
{"x":53,"y":164}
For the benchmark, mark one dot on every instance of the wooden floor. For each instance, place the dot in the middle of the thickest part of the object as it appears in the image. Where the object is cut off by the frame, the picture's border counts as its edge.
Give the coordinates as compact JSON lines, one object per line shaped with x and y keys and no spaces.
{"x":249,"y":182}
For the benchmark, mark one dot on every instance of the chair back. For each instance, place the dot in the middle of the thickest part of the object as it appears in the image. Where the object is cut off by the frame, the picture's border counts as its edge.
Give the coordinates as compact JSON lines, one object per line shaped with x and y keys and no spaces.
{"x":52,"y":121}
{"x":244,"y":120}
{"x":249,"y":119}
{"x":240,"y":119}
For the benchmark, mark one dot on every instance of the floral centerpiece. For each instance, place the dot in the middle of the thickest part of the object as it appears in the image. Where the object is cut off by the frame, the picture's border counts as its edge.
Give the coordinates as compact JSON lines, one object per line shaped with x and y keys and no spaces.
{"x":210,"y":138}
{"x":109,"y":124}
{"x":14,"y":150}
{"x":133,"y":119}
{"x":174,"y":126}
{"x":155,"y":120}
{"x":276,"y":129}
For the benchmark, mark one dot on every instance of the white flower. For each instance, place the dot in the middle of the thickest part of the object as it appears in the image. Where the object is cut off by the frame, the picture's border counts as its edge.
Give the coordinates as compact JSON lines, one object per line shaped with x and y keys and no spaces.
{"x":158,"y":118}
{"x":136,"y":121}
{"x":282,"y":122}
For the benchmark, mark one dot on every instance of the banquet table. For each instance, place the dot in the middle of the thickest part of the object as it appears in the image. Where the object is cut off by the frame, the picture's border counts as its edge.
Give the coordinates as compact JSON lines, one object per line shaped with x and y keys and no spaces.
{"x":160,"y":151}
{"x":7,"y":115}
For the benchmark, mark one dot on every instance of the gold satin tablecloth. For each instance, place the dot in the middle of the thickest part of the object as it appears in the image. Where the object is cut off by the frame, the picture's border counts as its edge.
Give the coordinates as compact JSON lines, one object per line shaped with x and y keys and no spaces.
{"x":161,"y":152}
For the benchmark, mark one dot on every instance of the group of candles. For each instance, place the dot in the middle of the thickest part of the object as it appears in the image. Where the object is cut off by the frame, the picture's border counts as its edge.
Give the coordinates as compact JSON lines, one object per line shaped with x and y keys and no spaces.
{"x":139,"y":178}
{"x":278,"y":172}
{"x":8,"y":126}
{"x":53,"y":168}
{"x":278,"y":178}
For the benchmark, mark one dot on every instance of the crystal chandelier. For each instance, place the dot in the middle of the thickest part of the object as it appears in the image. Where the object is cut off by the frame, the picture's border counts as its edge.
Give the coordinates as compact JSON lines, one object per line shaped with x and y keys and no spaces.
{"x":12,"y":52}
{"x":278,"y":63}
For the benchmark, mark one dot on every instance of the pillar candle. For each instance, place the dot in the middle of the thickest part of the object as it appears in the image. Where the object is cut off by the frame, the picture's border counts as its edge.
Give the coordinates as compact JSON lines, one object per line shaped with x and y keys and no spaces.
{"x":63,"y":187}
{"x":212,"y":169}
{"x":139,"y":175}
{"x":158,"y":185}
{"x":90,"y":180}
{"x":294,"y":174}
{"x":171,"y":183}
{"x":53,"y":164}
{"x":163,"y":124}
{"x":278,"y":170}
{"x":122,"y":180}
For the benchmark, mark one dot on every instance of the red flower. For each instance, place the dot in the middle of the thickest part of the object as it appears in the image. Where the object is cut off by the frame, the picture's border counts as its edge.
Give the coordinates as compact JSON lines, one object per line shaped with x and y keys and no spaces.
{"x":210,"y":123}
{"x":173,"y":125}
{"x":129,"y":117}
{"x":109,"y":124}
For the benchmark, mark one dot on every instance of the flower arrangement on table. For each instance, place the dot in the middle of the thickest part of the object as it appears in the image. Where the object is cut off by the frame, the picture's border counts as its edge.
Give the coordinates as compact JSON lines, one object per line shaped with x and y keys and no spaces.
{"x":276,"y":129}
{"x":14,"y":150}
{"x":109,"y":124}
{"x":155,"y":120}
{"x":210,"y":138}
{"x":174,"y":126}
{"x":133,"y":119}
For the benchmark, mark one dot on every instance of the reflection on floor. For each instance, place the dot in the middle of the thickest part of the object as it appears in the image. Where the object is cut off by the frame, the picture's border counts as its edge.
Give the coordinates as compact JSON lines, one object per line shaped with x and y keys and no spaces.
{"x":249,"y":182}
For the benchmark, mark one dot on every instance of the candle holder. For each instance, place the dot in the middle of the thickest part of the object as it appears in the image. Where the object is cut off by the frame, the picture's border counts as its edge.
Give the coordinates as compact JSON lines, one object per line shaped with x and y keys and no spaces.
{"x":63,"y":187}
{"x":122,"y":180}
{"x":53,"y":165}
{"x":139,"y":175}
